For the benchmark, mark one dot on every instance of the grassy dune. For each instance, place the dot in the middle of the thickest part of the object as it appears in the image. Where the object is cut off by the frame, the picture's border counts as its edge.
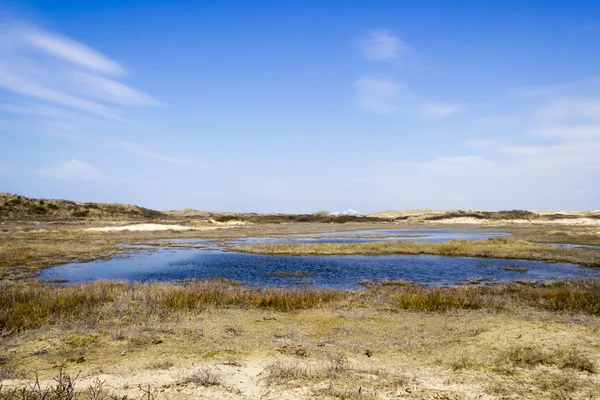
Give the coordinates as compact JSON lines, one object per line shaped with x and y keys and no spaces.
{"x":491,"y":248}
{"x":21,"y":207}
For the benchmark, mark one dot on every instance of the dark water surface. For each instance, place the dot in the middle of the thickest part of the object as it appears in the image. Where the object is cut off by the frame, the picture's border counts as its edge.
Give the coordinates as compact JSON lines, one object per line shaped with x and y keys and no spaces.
{"x":343,"y":272}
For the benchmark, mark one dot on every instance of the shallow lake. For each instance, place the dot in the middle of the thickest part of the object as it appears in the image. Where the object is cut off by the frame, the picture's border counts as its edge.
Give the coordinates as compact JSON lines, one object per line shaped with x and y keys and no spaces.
{"x":343,"y":272}
{"x":419,"y":235}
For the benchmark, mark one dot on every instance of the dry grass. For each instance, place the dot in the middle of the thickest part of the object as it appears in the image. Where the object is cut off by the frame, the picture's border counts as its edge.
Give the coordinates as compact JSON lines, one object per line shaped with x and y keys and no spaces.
{"x":13,"y":206}
{"x":529,"y":356}
{"x":27,"y":305}
{"x":492,"y":248}
{"x":65,"y":387}
{"x":558,"y":234}
{"x":205,"y":377}
{"x":362,"y":346}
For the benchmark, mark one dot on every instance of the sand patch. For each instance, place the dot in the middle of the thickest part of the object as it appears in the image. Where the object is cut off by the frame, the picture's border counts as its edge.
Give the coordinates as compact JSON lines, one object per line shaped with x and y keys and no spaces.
{"x":484,"y":221}
{"x":147,"y":227}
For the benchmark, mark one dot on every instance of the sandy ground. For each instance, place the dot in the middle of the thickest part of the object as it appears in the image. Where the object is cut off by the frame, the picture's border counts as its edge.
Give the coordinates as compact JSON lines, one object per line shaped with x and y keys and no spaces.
{"x":149,"y":228}
{"x":318,"y":354}
{"x":575,"y":218}
{"x":504,"y":222}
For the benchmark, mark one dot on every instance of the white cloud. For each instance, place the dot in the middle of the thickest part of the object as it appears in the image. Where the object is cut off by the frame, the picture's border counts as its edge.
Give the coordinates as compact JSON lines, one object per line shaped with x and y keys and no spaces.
{"x":382,"y":45}
{"x":15,"y":82}
{"x":47,"y":66}
{"x":143,"y":151}
{"x":377,"y":95}
{"x":70,"y":50}
{"x":71,"y":170}
{"x":484,"y":142}
{"x":562,"y":108}
{"x":38,"y":110}
{"x":112,"y":91}
{"x":439,"y":110}
{"x":515,"y":150}
{"x":568,"y":132}
{"x":453,"y":163}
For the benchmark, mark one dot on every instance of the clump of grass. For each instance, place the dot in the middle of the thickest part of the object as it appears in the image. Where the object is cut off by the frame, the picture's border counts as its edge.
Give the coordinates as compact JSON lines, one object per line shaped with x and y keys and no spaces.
{"x":528,"y":356}
{"x":579,"y":362}
{"x":338,"y":364}
{"x":416,"y":298}
{"x":386,"y":283}
{"x":205,"y":377}
{"x":514,"y":268}
{"x":462,"y":362}
{"x":281,"y":373}
{"x":160,"y":364}
{"x":232,"y":330}
{"x":201,"y":294}
{"x":284,"y":274}
{"x":579,"y":296}
{"x":64,"y":388}
{"x":26,"y":305}
{"x":349,"y":393}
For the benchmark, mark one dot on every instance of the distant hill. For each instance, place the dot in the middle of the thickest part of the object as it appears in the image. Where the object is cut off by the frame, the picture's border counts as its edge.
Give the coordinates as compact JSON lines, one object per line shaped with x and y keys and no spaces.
{"x":506,"y":216}
{"x":20,"y":207}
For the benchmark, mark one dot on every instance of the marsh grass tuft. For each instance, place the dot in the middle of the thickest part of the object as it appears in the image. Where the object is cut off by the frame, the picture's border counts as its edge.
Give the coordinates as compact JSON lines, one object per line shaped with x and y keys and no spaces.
{"x":514,"y":268}
{"x":530,"y":356}
{"x":160,"y":364}
{"x":417,"y":298}
{"x":28,"y":305}
{"x":285,"y":274}
{"x":204,"y":377}
{"x":280,"y":373}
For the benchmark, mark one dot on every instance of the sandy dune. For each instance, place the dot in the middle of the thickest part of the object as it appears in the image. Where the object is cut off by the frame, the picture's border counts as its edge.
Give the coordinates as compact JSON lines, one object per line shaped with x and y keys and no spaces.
{"x":147,"y":227}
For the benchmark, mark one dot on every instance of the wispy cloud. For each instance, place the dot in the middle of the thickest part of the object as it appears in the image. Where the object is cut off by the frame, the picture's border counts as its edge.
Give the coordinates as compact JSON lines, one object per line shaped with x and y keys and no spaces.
{"x":138,"y":149}
{"x":68,"y":49}
{"x":573,"y":107}
{"x":112,"y":91}
{"x":377,"y":95}
{"x":71,"y":170}
{"x":485,"y":142}
{"x":439,"y":110}
{"x":568,"y":132}
{"x":3,"y":170}
{"x":52,"y":68}
{"x":60,"y":87}
{"x":454,"y":163}
{"x":382,"y":45}
{"x":39,"y":110}
{"x":552,"y":141}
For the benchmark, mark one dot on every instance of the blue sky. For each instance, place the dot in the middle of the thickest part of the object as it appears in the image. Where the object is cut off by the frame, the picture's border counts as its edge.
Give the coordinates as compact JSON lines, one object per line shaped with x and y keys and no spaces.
{"x":299,"y":106}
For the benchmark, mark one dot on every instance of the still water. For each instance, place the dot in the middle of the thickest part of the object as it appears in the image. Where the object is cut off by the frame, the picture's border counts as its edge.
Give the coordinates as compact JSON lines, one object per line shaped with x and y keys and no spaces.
{"x":342,"y":272}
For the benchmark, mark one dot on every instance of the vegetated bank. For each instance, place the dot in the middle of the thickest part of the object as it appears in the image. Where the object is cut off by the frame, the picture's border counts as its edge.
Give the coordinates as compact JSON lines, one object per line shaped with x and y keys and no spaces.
{"x":509,"y":248}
